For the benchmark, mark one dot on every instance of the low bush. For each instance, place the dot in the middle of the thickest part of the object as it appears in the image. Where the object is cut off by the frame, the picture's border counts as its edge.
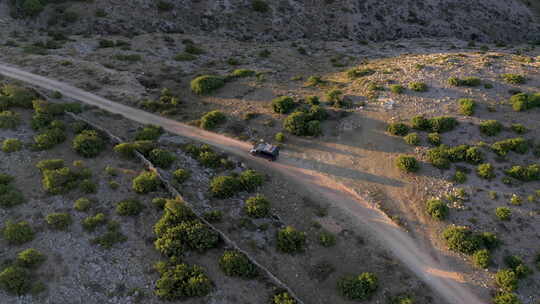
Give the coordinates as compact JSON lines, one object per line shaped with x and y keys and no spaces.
{"x":514,"y":78}
{"x":224,"y":186}
{"x":437,"y":209}
{"x":490,"y":127}
{"x":250,"y":180}
{"x":360,"y":72}
{"x":187,"y":235}
{"x":520,"y":102}
{"x":399,"y":129}
{"x":257,"y":206}
{"x":418,"y":86}
{"x":518,"y":145}
{"x":149,"y":132}
{"x":419,"y":122}
{"x":181,"y":281}
{"x":9,"y":195}
{"x":358,"y":288}
{"x":279,"y":137}
{"x":441,"y":124}
{"x":88,"y":186}
{"x":334,"y":97}
{"x":474,"y":155}
{"x":212,"y":119}
{"x":91,"y":223}
{"x":59,"y":221}
{"x":519,"y":128}
{"x":30,"y":258}
{"x":506,"y":298}
{"x":9,"y":120}
{"x":466,"y":106}
{"x":111,"y":237}
{"x":317,"y":113}
{"x":146,"y":182}
{"x":412,"y":139}
{"x":506,"y":280}
{"x":17,"y":96}
{"x":82,"y":204}
{"x":327,"y":239}
{"x":161,"y":158}
{"x":16,"y":280}
{"x":260,"y":6}
{"x":460,"y":177}
{"x":283,"y":104}
{"x":17,"y":233}
{"x":485,"y":171}
{"x":127,"y":150}
{"x":181,"y":175}
{"x":159,"y":202}
{"x":206,"y":84}
{"x":467,"y":81}
{"x":462,"y":239}
{"x":129,"y":207}
{"x":282,"y":297}
{"x":88,"y":143}
{"x":236,"y":264}
{"x":407,"y":163}
{"x":482,"y":258}
{"x":296,"y":123}
{"x":516,"y":263}
{"x":434,"y":139}
{"x":239,"y":73}
{"x":49,"y":138}
{"x":397,"y":89}
{"x":290,"y":240}
{"x":525,"y":174}
{"x":11,"y":145}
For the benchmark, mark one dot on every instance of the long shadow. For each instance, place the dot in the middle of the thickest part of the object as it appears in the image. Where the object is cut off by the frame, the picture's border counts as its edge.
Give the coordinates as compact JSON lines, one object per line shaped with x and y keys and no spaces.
{"x":337,"y":171}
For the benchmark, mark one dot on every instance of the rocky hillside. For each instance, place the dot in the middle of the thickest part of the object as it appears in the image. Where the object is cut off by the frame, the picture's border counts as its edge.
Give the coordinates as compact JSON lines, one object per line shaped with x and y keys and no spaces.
{"x":270,"y":20}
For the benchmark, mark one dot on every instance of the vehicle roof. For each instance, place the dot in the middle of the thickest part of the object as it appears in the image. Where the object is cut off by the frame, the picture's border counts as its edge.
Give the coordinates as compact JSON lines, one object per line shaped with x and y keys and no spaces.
{"x":266,"y":147}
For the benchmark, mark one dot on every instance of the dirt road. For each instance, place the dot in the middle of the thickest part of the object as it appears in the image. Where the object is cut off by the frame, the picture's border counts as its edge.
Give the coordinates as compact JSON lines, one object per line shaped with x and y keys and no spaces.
{"x":439,"y":277}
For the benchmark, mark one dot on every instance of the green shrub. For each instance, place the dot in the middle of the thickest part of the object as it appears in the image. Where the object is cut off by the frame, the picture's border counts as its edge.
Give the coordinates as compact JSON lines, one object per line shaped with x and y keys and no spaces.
{"x":468,"y":81}
{"x":49,"y":138}
{"x":111,"y":237}
{"x":59,"y":221}
{"x":30,"y":258}
{"x":243,"y":73}
{"x":439,"y":157}
{"x":129,"y":207}
{"x":283,"y":104}
{"x":518,"y":145}
{"x":317,"y":113}
{"x":514,"y":78}
{"x":18,"y":96}
{"x":506,"y":298}
{"x":506,"y":280}
{"x":250,"y":180}
{"x":334,"y":97}
{"x":16,"y":280}
{"x":515,"y":263}
{"x":520,"y":102}
{"x":90,"y":223}
{"x":327,"y":239}
{"x":482,"y":258}
{"x":419,"y":122}
{"x":88,"y":143}
{"x":181,"y":281}
{"x":257,"y":206}
{"x":59,"y":181}
{"x":17,"y":233}
{"x":11,"y":145}
{"x":159,"y":202}
{"x":146,"y":182}
{"x":50,"y":164}
{"x":442,"y":124}
{"x":9,"y":120}
{"x":260,"y":6}
{"x":127,"y":150}
{"x":162,"y":158}
{"x":434,"y":139}
{"x":88,"y":186}
{"x":149,"y":132}
{"x":437,"y":209}
{"x":290,"y":240}
{"x":356,"y":72}
{"x":224,"y":186}
{"x":412,"y":139}
{"x":490,"y":127}
{"x":82,"y":204}
{"x":461,"y":239}
{"x":181,"y":175}
{"x":212,"y":119}
{"x":474,"y":155}
{"x":466,"y":106}
{"x":296,"y":123}
{"x":187,"y":235}
{"x":460,"y":177}
{"x":358,"y":288}
{"x":418,"y":86}
{"x":525,"y":174}
{"x":485,"y":171}
{"x":397,"y":88}
{"x":236,"y":264}
{"x":209,"y":159}
{"x":206,"y":84}
{"x":279,"y":137}
{"x":407,"y":163}
{"x":313,"y":81}
{"x":398,"y":129}
{"x":313,"y":128}
{"x":519,"y":128}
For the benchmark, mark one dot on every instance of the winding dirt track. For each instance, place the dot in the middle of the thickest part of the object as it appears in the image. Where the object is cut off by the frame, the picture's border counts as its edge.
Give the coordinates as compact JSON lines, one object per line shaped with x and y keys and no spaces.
{"x":445,"y":282}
